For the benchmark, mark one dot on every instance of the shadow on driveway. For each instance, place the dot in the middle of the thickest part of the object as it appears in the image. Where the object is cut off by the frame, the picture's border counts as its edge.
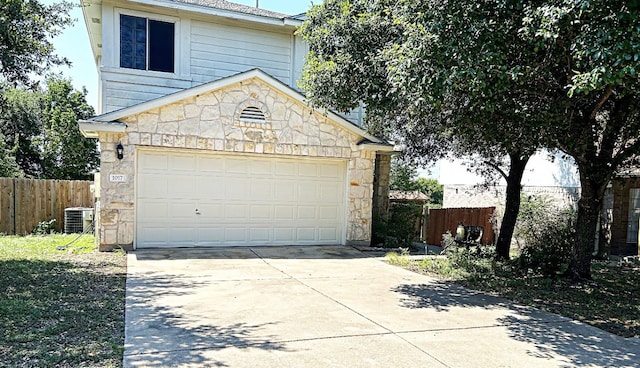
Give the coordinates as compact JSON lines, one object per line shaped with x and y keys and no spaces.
{"x":156,"y":335}
{"x":549,"y":334}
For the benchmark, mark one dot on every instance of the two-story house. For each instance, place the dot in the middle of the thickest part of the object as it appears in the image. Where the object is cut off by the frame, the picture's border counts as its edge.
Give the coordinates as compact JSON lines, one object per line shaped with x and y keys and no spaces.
{"x":206,"y":140}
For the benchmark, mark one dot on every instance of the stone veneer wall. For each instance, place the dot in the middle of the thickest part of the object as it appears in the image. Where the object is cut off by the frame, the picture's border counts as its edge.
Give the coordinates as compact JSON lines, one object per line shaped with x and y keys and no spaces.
{"x":210,"y":122}
{"x":381,"y":184}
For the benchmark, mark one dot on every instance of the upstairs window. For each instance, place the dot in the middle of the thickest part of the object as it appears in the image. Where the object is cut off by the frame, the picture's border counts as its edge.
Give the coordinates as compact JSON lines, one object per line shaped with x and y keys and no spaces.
{"x":147,"y":44}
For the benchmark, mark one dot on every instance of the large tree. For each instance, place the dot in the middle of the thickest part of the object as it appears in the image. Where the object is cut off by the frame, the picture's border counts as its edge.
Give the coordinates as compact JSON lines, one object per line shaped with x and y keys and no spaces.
{"x":503,"y":76}
{"x":414,"y":67}
{"x":20,"y":124}
{"x":66,"y":154}
{"x":593,"y":48}
{"x":26,"y":31}
{"x":8,"y":165}
{"x":40,"y":132}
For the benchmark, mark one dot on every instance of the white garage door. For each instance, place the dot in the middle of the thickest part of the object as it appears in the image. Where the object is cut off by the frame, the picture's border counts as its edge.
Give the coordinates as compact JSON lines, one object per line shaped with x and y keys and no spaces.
{"x":186,"y":199}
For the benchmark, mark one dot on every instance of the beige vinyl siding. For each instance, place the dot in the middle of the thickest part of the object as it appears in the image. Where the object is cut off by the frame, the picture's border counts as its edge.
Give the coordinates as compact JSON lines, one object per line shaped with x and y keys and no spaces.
{"x":218,"y":51}
{"x":124,"y":89}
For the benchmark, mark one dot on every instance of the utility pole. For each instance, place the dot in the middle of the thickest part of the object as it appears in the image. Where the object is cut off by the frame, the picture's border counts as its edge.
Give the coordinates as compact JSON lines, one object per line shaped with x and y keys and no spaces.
{"x":257,"y":3}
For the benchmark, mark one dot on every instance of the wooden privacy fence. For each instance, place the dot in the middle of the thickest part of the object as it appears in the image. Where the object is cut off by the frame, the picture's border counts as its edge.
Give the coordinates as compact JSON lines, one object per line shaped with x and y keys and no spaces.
{"x":441,"y":220}
{"x":26,"y":202}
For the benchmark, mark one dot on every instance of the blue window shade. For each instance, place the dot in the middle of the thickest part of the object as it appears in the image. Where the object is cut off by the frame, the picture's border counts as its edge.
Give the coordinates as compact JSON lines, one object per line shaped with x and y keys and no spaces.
{"x":133,"y":42}
{"x":161,"y":46}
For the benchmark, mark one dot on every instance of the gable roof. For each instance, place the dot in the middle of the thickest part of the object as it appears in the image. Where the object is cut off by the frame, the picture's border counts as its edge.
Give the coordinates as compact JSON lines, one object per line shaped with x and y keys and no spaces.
{"x":109,"y":122}
{"x":227,"y":5}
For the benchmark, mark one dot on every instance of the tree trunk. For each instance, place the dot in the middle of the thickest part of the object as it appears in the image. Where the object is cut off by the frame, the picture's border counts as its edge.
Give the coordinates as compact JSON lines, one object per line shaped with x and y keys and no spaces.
{"x":512,"y":204}
{"x":589,"y":207}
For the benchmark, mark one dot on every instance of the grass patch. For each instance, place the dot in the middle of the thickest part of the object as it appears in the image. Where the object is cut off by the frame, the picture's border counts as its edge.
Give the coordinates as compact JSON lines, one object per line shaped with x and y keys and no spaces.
{"x":611,"y":301}
{"x":61,"y":304}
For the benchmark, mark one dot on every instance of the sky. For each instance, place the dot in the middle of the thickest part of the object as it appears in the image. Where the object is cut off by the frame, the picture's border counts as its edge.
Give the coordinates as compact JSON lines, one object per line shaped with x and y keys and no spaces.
{"x":74,"y":43}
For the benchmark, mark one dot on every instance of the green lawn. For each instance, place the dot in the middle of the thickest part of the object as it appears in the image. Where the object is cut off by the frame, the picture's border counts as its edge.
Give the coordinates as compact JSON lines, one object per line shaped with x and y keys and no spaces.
{"x":60,"y":305}
{"x":611,"y":301}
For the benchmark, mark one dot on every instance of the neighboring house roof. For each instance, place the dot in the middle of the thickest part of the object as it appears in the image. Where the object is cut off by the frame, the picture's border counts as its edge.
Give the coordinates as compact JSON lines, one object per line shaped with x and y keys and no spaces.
{"x":227,"y":5}
{"x":407,"y":195}
{"x":108,"y":122}
{"x":629,"y":173}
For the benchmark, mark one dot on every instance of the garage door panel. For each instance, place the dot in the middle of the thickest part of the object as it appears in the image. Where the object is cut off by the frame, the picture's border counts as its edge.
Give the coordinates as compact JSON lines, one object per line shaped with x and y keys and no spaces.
{"x":306,"y":234}
{"x":261,"y":189}
{"x":211,"y":235}
{"x":284,"y":169}
{"x":285,"y":212}
{"x":330,"y":192}
{"x":154,"y":186}
{"x":237,"y":189}
{"x":181,"y":162}
{"x":154,"y":236}
{"x":261,"y":212}
{"x":283,"y":234}
{"x":209,"y":187}
{"x":153,"y":161}
{"x":180,"y":211}
{"x":235,"y":235}
{"x":330,"y":171}
{"x":236,"y":211}
{"x":308,"y":170}
{"x":237,"y":166}
{"x":284,"y":191}
{"x":307,"y":212}
{"x":329,"y":235}
{"x":211,"y":164}
{"x":259,"y":234}
{"x":261,"y":168}
{"x":153,"y":210}
{"x":239,"y":200}
{"x":308,"y":191}
{"x":210,"y":212}
{"x":328,"y":213}
{"x":182,"y":235}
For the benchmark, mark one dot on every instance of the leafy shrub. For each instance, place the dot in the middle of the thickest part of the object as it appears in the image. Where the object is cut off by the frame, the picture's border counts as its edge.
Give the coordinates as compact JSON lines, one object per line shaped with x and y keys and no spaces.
{"x":379,"y":230}
{"x":44,"y":227}
{"x":399,"y":229}
{"x":403,"y":218}
{"x":546,"y":233}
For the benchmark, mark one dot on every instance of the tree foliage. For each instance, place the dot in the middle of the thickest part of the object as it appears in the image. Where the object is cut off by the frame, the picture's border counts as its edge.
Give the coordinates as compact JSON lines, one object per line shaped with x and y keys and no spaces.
{"x":404,"y":176}
{"x":497,"y":78}
{"x":20,"y":123}
{"x":41,"y":132}
{"x":8,"y":165}
{"x":66,"y":154}
{"x":26,"y":31}
{"x":414,"y":66}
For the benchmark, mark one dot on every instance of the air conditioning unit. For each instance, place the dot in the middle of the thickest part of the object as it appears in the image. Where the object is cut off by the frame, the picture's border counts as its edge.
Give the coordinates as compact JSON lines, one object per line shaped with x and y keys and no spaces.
{"x":77,"y":219}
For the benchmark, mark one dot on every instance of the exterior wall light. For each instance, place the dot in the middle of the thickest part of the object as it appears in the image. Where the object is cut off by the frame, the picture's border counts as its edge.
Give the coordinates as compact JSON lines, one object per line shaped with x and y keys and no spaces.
{"x":120,"y":151}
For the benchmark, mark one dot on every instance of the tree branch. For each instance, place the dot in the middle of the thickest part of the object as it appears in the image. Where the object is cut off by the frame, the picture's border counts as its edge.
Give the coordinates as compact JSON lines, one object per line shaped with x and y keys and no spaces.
{"x":497,"y":168}
{"x":601,"y":101}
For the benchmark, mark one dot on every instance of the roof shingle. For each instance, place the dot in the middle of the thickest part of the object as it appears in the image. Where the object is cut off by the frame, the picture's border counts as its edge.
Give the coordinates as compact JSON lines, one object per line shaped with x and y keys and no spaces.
{"x":239,"y":8}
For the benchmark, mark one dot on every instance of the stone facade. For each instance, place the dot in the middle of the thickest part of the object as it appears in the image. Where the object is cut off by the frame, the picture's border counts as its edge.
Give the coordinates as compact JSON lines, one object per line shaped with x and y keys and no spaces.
{"x":211,"y":122}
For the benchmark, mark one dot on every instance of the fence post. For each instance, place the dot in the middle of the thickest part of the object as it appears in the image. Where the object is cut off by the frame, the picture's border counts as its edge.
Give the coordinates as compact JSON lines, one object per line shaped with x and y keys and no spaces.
{"x":14,"y":205}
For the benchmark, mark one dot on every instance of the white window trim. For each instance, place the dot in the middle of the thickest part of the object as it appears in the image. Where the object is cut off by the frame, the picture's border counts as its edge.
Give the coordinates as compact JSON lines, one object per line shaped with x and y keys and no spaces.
{"x":152,"y":16}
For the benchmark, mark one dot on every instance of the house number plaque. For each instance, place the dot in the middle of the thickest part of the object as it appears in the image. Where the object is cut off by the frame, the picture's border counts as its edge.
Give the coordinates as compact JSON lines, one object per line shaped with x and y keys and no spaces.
{"x":117,"y":178}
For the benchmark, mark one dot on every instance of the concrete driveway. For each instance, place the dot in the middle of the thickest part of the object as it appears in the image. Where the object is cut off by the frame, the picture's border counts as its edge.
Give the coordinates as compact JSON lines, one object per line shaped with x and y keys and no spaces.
{"x":336,"y":307}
